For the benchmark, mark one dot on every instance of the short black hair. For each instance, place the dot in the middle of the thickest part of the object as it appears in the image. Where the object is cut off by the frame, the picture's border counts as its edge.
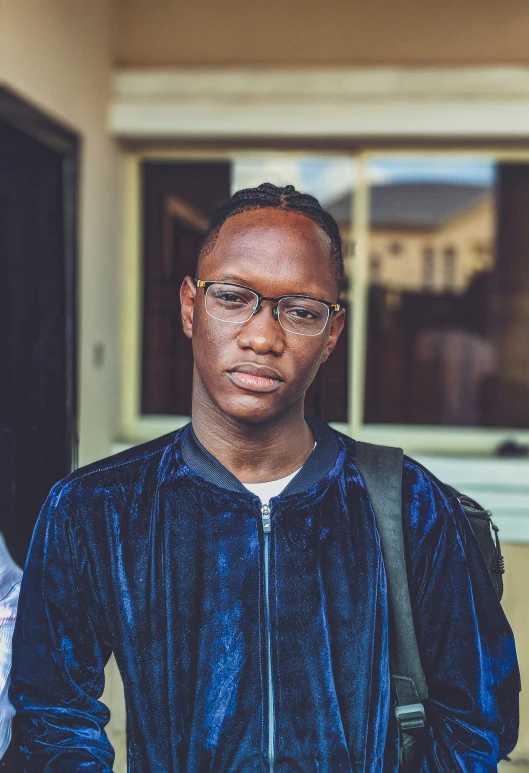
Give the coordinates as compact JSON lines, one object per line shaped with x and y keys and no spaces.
{"x":269,"y":196}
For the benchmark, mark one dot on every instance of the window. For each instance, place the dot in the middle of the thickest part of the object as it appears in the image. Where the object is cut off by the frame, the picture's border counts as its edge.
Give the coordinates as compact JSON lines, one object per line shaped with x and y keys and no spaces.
{"x":449,"y":265}
{"x":375,"y":265}
{"x":428,"y":268}
{"x":395,"y":248}
{"x":348,"y":248}
{"x":454,"y":351}
{"x":179,"y":197}
{"x":435,"y":339}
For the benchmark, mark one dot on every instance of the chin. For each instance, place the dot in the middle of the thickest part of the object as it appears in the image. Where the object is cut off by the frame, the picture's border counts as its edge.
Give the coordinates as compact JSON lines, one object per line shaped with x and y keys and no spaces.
{"x":252,"y":410}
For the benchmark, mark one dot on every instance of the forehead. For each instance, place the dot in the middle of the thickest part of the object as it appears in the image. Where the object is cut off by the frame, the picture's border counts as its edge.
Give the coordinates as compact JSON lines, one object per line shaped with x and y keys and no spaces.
{"x":272,"y":247}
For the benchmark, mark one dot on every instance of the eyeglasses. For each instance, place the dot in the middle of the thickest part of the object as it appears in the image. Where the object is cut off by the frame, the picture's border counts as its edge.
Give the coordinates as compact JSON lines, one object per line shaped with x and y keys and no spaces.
{"x":237,"y":304}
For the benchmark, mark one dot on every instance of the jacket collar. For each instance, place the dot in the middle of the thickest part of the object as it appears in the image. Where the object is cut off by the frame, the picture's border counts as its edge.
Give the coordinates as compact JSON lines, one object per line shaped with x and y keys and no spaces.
{"x":317,"y":466}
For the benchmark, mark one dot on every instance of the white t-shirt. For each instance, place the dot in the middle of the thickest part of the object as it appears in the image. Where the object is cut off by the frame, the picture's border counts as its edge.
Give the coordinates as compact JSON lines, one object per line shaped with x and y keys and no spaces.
{"x":271,"y":488}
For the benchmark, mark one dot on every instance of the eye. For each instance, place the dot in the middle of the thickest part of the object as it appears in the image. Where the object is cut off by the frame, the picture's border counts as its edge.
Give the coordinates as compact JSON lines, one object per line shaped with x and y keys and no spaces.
{"x":230,"y":298}
{"x":300,"y":312}
{"x":305,"y":311}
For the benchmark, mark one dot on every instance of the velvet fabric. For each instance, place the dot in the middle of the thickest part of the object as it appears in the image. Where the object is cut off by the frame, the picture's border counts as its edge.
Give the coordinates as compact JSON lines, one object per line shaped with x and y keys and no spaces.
{"x":145,"y":556}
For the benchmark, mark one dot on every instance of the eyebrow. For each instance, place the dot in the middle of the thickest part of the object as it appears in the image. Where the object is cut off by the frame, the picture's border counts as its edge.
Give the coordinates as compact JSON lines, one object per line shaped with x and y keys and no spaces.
{"x":233,"y":278}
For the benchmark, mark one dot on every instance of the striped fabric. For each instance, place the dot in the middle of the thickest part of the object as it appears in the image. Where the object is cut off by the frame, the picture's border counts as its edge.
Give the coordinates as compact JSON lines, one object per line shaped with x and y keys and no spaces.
{"x":10,"y":577}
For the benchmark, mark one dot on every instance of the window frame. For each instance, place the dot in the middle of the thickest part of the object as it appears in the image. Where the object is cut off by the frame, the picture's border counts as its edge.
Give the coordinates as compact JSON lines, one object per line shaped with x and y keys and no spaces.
{"x":135,"y":427}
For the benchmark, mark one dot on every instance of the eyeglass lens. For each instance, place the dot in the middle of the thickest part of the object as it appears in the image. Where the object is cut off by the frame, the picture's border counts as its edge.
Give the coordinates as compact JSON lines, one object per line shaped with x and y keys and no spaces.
{"x":229,"y":303}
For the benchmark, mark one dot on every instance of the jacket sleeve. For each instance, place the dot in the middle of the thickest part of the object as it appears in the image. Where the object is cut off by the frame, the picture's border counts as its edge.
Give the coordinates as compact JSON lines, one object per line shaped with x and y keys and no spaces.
{"x":58,"y":655}
{"x":466,"y":644}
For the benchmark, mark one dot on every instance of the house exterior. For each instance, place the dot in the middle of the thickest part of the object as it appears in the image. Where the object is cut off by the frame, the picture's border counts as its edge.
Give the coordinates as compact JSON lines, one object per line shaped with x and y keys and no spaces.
{"x":133,"y":75}
{"x":425,"y":236}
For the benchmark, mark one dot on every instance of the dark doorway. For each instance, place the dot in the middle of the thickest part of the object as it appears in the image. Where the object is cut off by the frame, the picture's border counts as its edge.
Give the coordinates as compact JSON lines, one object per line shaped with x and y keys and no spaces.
{"x":38,"y":180}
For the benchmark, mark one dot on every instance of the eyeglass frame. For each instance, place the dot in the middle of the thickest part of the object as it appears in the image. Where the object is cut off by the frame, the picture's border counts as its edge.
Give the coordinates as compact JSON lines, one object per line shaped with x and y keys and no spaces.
{"x":331,"y":307}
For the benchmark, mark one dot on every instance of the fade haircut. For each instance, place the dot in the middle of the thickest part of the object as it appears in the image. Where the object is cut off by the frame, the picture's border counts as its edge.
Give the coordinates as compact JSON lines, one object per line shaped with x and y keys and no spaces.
{"x":269,"y":196}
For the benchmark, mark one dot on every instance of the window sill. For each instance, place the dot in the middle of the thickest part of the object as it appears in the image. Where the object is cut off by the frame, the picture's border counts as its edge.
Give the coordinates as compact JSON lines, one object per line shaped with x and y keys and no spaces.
{"x":498,"y":484}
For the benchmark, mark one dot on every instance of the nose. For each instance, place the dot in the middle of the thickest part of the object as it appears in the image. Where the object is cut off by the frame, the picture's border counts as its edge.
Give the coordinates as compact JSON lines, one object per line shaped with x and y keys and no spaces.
{"x":263,"y":333}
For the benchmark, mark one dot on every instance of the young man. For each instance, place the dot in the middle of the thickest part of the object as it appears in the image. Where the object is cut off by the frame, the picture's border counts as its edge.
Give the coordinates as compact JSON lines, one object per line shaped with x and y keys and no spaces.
{"x":234,"y":567}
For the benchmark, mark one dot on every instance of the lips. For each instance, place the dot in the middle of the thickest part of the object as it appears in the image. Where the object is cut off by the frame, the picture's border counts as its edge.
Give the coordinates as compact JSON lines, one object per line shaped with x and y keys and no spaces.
{"x":255,"y":378}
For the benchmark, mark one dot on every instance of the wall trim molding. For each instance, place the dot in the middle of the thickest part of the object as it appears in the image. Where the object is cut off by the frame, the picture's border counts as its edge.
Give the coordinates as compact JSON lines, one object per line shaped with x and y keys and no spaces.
{"x":405,"y":102}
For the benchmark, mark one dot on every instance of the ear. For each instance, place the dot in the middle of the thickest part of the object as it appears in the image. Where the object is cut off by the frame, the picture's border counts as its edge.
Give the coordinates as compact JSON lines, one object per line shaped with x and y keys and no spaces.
{"x":187,"y":301}
{"x":337,"y":324}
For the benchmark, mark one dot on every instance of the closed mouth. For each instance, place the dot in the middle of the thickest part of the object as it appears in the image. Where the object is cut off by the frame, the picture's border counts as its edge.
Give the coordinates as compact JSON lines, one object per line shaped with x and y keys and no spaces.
{"x":255,"y":378}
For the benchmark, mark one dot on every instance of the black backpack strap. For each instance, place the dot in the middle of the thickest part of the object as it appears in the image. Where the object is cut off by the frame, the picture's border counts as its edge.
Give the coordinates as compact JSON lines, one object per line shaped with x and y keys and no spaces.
{"x":381,"y":469}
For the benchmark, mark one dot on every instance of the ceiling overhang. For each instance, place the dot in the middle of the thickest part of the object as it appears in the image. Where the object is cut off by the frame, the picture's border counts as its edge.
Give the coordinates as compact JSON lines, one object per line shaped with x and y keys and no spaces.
{"x":207,"y":104}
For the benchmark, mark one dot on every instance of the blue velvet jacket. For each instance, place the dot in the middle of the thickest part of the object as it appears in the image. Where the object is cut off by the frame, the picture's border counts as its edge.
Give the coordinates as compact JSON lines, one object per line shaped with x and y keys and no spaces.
{"x":244,"y":650}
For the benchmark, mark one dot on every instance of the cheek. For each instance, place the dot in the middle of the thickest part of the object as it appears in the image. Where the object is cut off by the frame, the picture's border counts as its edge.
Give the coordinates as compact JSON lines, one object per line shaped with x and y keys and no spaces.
{"x":211,"y":338}
{"x":305,"y":358}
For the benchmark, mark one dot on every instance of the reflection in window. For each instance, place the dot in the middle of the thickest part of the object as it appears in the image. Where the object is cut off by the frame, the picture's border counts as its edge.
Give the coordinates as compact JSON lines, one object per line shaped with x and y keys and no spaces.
{"x":449,"y":267}
{"x":395,"y":249}
{"x":375,"y":265}
{"x":428,"y":268}
{"x":447,"y":321}
{"x":454,"y":350}
{"x":348,"y":247}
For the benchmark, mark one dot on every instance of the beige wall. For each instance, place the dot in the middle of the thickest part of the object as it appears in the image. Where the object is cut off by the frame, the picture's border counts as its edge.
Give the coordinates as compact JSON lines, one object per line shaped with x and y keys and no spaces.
{"x":58,"y":55}
{"x":165,"y":32}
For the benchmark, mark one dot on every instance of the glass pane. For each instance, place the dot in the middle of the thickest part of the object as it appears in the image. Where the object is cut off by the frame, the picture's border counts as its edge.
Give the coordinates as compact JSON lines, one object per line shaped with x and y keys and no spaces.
{"x":178,"y":200}
{"x":443,"y":281}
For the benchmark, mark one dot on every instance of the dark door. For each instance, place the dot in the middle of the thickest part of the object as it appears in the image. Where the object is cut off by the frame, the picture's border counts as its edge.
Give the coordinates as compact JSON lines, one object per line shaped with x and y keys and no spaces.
{"x":37,"y":228}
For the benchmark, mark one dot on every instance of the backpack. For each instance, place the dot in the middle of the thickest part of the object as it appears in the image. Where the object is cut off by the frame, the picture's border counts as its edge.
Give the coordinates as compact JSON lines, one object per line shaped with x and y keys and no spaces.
{"x":381,"y":469}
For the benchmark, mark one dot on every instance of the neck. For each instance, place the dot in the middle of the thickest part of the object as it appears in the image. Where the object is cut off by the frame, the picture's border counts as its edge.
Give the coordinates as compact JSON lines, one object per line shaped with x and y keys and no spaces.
{"x":253,"y":452}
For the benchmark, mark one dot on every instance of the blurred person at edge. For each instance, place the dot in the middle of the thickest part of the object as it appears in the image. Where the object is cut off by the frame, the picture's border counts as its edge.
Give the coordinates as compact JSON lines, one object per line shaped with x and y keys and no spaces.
{"x":234,"y":567}
{"x":10,"y":577}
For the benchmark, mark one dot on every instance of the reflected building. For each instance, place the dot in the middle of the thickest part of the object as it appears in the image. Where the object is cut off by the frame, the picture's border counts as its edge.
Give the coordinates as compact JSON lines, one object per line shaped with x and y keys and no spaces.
{"x":435,"y":237}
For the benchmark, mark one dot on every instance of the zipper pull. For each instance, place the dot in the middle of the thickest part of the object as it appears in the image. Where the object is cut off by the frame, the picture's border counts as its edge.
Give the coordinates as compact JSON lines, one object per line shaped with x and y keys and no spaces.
{"x":265,"y":515}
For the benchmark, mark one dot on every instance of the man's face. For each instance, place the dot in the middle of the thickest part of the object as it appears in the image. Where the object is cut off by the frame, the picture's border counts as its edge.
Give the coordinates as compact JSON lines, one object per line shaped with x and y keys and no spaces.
{"x":257,"y":371}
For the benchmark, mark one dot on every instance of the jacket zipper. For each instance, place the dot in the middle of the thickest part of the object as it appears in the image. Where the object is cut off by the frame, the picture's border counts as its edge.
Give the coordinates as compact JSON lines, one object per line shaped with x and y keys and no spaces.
{"x":267,"y":526}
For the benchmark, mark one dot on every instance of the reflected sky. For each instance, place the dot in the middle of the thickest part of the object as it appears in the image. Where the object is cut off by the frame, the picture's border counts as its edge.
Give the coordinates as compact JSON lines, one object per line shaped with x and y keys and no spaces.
{"x":462,"y":170}
{"x":328,"y":178}
{"x":323,"y":177}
